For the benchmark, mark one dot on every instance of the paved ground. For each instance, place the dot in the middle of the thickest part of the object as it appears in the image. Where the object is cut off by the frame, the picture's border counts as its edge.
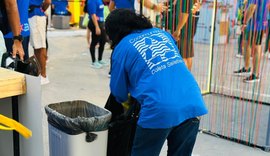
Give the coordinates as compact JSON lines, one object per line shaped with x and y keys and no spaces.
{"x":72,"y":78}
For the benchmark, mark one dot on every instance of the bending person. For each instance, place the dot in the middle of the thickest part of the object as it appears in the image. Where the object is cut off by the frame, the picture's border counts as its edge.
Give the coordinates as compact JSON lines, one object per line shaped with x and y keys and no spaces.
{"x":146,"y":63}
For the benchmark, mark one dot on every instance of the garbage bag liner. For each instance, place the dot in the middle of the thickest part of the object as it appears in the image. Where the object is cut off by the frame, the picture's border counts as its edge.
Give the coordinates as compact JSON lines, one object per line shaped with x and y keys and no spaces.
{"x":75,"y":117}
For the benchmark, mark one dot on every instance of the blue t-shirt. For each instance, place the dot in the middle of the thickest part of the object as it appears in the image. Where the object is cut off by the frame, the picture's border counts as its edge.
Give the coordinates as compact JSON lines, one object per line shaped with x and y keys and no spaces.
{"x":126,"y":4}
{"x":37,"y":11}
{"x":148,"y":65}
{"x":60,"y":7}
{"x":96,"y":7}
{"x":259,"y":20}
{"x":23,"y":12}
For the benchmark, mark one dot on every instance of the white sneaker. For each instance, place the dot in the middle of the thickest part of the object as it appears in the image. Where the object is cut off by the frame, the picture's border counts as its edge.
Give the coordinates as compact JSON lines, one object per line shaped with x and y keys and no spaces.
{"x":96,"y":65}
{"x":238,"y":55}
{"x":44,"y":80}
{"x":269,"y":56}
{"x":103,"y":63}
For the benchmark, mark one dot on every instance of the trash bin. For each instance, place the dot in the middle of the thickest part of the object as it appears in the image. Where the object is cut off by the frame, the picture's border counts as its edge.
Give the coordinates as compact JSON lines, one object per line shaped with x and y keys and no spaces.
{"x":77,"y":128}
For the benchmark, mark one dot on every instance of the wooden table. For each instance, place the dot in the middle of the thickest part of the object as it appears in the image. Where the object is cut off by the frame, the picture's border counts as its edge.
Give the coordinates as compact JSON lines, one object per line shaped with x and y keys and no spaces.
{"x":13,"y":84}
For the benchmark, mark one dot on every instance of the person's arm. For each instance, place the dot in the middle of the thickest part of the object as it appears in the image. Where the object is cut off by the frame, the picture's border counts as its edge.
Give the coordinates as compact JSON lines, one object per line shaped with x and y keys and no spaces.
{"x":182,"y":18}
{"x":46,"y":4}
{"x":95,"y":21}
{"x":156,"y":7}
{"x":119,"y":78}
{"x":14,"y":22}
{"x":111,"y":6}
{"x":91,"y":8}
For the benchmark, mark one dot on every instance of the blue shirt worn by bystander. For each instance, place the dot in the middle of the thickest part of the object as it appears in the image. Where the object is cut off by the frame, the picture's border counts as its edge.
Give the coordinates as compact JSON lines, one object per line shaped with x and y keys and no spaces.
{"x":37,"y":10}
{"x":96,"y":7}
{"x":60,"y":7}
{"x":23,"y":11}
{"x":147,"y":65}
{"x":126,"y":4}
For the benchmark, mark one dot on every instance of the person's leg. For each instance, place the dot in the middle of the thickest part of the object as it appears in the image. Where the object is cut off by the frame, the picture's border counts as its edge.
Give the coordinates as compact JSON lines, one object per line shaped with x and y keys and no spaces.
{"x":240,"y":44}
{"x":38,"y":41}
{"x":148,"y":142}
{"x":88,"y":36}
{"x":94,"y":41}
{"x":257,"y":59}
{"x":257,"y":53}
{"x":247,"y":49}
{"x":189,"y":63}
{"x":182,"y":138}
{"x":102,"y":42}
{"x":254,"y":77}
{"x":41,"y":57}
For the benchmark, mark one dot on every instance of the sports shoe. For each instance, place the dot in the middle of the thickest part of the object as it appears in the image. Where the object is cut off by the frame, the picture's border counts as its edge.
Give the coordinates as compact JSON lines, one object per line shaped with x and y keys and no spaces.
{"x":96,"y":65}
{"x":103,"y":63}
{"x":242,"y":71}
{"x":252,"y":78}
{"x":44,"y":80}
{"x":239,"y":56}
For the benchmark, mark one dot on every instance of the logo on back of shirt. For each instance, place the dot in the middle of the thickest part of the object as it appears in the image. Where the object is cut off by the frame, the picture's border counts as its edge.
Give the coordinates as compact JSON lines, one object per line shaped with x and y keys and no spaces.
{"x":157,"y":50}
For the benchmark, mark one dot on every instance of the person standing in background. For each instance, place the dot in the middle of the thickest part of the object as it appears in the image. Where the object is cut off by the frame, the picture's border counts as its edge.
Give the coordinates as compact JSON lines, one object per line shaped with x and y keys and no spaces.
{"x":17,"y":39}
{"x":240,"y":18}
{"x":95,"y":9}
{"x":186,"y":28}
{"x":151,"y":9}
{"x":37,"y":22}
{"x":254,"y":25}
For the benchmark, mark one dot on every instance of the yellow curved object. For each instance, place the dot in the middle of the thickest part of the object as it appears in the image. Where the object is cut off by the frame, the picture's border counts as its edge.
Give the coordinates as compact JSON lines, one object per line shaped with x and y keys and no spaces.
{"x":6,"y":128}
{"x":10,"y":124}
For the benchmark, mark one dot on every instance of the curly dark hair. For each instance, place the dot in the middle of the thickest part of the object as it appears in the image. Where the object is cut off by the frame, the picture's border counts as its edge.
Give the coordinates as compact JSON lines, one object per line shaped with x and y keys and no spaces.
{"x":122,"y":22}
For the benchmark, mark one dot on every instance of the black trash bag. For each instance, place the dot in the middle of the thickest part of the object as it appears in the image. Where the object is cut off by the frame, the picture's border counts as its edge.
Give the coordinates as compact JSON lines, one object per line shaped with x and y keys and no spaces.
{"x":76,"y":117}
{"x":122,"y":127}
{"x":30,"y":66}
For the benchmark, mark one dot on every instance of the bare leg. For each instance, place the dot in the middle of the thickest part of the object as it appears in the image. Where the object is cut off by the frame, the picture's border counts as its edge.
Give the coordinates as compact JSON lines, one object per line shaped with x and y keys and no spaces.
{"x":188,"y":62}
{"x":257,"y":59}
{"x":88,"y":36}
{"x":247,"y":53}
{"x":41,"y":56}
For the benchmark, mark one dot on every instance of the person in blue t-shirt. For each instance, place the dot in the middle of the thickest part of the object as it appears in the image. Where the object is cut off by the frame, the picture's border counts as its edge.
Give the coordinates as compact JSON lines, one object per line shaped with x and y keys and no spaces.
{"x":95,"y":10}
{"x":24,"y":34}
{"x":147,"y":65}
{"x":254,"y":25}
{"x":121,"y":4}
{"x":60,"y":7}
{"x":37,"y":22}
